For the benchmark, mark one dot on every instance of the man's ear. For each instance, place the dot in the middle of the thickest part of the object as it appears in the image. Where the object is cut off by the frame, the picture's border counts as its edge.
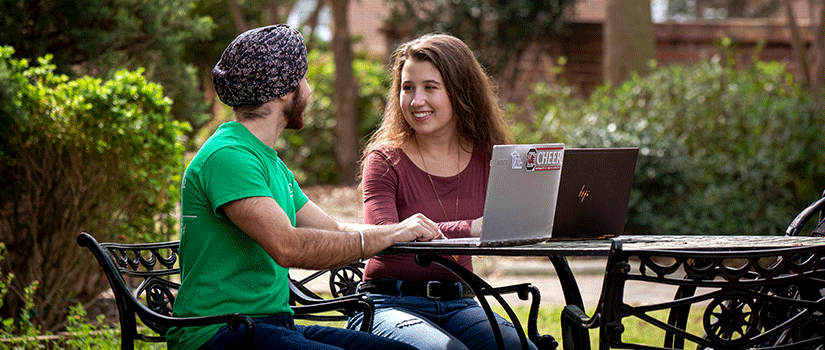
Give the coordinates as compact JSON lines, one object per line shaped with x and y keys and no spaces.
{"x":287,"y":97}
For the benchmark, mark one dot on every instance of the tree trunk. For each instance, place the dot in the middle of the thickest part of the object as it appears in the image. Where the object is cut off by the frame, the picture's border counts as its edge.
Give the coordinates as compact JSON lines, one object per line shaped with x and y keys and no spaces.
{"x":628,"y":39}
{"x":237,"y":16}
{"x":818,"y":50}
{"x":811,"y":65}
{"x":797,"y":44}
{"x":345,"y":95}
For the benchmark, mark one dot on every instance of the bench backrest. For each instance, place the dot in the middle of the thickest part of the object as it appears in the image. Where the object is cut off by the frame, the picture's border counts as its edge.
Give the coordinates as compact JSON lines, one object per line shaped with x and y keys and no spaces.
{"x":145,"y":279}
{"x":152,"y":276}
{"x":815,"y":209}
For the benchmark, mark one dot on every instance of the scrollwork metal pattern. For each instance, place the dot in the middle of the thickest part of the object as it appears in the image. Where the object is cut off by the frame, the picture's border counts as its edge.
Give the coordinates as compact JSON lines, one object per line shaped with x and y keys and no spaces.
{"x":750,"y":299}
{"x":160,"y":299}
{"x":344,"y":280}
{"x":731,"y":270}
{"x":136,"y":260}
{"x":730,"y":318}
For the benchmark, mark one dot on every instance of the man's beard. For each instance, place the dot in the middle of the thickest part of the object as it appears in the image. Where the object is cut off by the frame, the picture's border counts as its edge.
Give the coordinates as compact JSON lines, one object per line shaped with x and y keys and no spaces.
{"x":294,"y":111}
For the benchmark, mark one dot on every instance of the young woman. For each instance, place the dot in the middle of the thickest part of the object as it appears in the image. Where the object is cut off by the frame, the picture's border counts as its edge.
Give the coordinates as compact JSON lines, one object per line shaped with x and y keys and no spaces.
{"x":431,"y":155}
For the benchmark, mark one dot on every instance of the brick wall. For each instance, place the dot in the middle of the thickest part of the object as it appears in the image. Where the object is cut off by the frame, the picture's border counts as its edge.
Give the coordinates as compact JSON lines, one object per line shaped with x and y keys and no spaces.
{"x":581,"y":44}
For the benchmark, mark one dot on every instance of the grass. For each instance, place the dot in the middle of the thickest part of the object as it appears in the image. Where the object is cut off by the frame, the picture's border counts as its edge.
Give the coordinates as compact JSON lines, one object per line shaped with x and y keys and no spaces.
{"x":636,"y":330}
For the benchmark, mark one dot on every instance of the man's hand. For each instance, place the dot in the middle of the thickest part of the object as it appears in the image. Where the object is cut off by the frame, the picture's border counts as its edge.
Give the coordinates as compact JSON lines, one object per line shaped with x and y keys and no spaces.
{"x":416,"y":228}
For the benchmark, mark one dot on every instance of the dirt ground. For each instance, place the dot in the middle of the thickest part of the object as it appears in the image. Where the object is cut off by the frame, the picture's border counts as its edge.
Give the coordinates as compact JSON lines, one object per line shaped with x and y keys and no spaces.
{"x":341,"y":202}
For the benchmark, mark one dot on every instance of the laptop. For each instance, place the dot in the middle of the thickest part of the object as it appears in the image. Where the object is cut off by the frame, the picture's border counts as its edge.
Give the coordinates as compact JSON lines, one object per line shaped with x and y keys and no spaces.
{"x":521,"y":197}
{"x":592,"y":199}
{"x":594,"y":192}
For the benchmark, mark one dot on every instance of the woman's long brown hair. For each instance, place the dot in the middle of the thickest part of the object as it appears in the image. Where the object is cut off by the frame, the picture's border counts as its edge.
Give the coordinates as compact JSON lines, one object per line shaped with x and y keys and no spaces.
{"x":479,"y":118}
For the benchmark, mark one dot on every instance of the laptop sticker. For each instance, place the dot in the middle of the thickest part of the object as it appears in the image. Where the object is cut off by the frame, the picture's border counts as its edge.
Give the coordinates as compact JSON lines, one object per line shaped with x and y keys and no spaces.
{"x":516,"y":163}
{"x":539,"y":159}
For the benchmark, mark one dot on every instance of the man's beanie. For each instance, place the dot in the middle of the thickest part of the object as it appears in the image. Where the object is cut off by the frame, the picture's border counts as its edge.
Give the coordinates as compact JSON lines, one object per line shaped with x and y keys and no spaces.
{"x":260,"y":65}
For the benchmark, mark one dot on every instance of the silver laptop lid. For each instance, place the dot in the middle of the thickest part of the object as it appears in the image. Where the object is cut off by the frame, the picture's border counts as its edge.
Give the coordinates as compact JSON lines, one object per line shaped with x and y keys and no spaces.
{"x":522,"y":191}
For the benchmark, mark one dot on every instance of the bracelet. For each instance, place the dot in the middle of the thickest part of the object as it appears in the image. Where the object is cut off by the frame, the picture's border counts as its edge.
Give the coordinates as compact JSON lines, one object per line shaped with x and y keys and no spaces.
{"x":361,"y":233}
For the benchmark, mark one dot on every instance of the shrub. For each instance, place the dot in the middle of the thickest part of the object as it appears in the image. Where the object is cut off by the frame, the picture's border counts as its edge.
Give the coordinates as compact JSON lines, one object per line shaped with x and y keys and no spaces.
{"x":722,"y":150}
{"x":79,"y":155}
{"x":21,"y":330}
{"x":81,"y":331}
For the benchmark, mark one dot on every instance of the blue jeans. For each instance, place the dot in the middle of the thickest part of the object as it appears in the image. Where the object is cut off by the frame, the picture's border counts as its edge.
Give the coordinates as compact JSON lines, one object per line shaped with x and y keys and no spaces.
{"x":280,"y":332}
{"x":430,"y":324}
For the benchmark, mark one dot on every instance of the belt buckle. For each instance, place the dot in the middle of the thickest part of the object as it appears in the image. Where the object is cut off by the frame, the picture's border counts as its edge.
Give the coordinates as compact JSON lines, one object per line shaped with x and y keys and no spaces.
{"x":431,"y":287}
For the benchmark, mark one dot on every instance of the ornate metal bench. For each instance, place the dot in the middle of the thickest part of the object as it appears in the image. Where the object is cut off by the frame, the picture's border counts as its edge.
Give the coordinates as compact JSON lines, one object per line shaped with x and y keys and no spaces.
{"x":342,"y":283}
{"x":154,"y":266}
{"x":798,"y":225}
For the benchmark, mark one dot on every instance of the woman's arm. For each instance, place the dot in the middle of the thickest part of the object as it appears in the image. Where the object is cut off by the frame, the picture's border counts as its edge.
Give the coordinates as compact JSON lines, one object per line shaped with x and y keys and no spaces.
{"x":379,"y":185}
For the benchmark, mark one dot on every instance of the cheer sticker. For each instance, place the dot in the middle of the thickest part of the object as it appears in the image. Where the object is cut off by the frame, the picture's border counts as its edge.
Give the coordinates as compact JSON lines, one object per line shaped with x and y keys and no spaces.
{"x":540,"y":159}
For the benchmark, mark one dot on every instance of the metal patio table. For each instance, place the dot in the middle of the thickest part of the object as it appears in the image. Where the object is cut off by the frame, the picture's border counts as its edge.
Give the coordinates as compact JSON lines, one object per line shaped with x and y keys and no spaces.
{"x":558,"y":250}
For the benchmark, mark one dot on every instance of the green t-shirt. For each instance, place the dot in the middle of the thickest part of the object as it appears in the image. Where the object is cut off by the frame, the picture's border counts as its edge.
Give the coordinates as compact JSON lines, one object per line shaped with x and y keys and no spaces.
{"x":223,"y":270}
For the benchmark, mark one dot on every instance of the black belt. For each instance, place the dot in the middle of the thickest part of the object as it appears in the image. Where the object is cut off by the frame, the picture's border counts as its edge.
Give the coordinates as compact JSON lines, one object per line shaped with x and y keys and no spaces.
{"x":431,"y":289}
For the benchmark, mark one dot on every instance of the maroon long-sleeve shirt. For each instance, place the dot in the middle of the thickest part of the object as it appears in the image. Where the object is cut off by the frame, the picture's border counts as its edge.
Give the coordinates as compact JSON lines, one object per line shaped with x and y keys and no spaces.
{"x":395,"y":189}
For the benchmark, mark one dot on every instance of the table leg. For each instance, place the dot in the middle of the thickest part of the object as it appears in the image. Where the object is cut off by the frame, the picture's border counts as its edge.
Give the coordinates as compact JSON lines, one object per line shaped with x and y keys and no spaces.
{"x":572,"y":296}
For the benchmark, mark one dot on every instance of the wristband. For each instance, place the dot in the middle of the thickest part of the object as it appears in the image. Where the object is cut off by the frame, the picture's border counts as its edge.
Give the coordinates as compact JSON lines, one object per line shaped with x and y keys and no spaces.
{"x":361,"y":233}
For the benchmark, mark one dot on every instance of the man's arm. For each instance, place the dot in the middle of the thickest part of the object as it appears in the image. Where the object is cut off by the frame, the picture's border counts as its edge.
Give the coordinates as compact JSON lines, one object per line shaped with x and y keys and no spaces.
{"x":318,"y":242}
{"x":311,"y":215}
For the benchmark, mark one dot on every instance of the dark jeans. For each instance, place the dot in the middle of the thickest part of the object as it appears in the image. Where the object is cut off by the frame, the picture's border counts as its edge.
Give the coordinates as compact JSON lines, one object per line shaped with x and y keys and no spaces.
{"x":280,"y":332}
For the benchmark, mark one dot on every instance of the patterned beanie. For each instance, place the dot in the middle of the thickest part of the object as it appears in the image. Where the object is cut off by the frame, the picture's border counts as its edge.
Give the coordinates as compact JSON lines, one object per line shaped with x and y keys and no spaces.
{"x":260,"y":65}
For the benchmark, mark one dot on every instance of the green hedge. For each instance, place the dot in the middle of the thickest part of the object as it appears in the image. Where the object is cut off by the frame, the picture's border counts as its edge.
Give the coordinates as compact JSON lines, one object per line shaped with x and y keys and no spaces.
{"x":722,"y":150}
{"x":79,"y":155}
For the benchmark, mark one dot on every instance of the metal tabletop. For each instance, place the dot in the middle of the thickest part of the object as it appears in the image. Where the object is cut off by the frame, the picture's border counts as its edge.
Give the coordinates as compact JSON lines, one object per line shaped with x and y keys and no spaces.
{"x":601,"y":247}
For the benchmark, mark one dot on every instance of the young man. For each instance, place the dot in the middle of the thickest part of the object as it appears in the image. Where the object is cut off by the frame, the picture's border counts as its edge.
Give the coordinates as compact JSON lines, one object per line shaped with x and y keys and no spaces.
{"x":244,"y":219}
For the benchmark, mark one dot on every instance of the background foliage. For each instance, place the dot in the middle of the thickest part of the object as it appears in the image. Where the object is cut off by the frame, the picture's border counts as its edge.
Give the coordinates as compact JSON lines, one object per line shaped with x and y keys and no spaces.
{"x":79,"y":155}
{"x":722,"y":151}
{"x":309,"y":153}
{"x":100,"y":37}
{"x":498,"y":31}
